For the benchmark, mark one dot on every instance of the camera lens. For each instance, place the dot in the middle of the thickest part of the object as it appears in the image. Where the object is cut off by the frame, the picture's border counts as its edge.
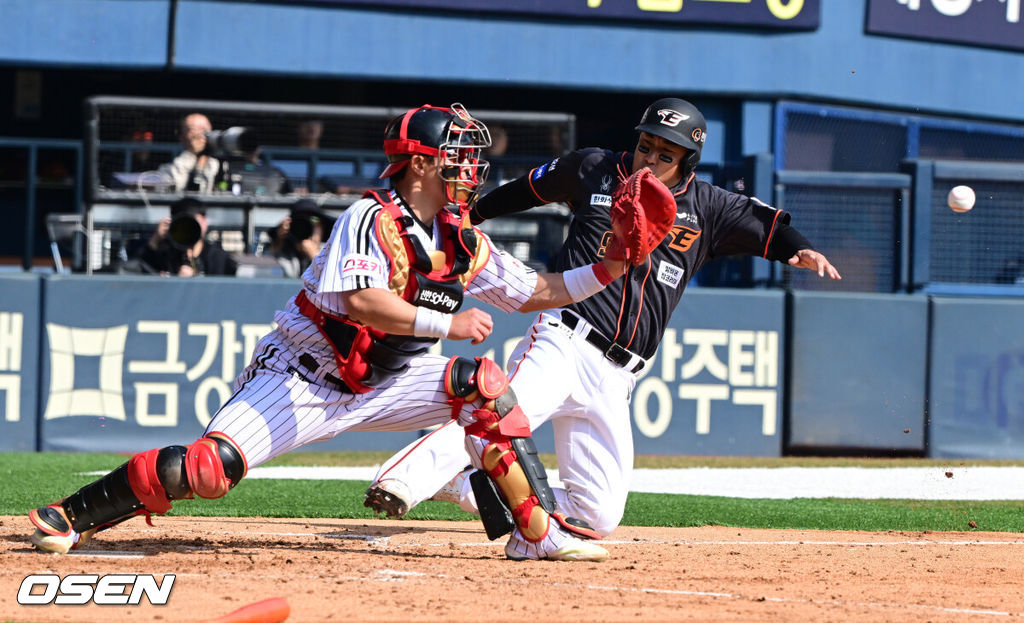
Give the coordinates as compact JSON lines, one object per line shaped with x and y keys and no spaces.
{"x":184,"y":231}
{"x":302,"y":227}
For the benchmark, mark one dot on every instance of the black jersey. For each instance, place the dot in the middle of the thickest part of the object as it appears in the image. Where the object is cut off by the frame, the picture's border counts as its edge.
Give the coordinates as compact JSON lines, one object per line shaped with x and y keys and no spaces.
{"x":710,"y":222}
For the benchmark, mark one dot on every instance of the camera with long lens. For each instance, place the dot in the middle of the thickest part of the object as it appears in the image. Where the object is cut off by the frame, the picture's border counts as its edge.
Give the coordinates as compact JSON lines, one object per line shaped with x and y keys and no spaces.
{"x":184,"y":231}
{"x":235,"y":141}
{"x":302,"y":226}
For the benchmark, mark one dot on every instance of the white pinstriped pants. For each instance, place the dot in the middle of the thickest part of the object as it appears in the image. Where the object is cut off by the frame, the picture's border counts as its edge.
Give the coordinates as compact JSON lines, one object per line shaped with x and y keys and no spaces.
{"x":279,"y":405}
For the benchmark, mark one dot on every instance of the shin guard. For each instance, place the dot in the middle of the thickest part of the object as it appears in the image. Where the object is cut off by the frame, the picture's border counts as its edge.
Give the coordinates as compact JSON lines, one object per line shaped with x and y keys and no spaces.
{"x":518,"y":487}
{"x":150,"y":480}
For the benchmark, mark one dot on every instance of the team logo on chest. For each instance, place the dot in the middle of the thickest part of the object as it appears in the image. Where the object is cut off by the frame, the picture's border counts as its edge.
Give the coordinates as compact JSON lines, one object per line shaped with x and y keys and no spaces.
{"x":683,"y":237}
{"x":670,"y":274}
{"x":606,"y":183}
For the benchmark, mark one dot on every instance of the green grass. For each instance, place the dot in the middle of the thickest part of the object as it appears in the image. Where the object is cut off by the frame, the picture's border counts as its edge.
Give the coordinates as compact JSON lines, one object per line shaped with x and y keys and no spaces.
{"x":28,"y":480}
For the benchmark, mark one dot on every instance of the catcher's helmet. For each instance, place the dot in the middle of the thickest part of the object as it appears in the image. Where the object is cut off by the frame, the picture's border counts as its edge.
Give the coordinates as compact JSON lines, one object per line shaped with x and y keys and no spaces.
{"x":451,"y":135}
{"x":679,"y":122}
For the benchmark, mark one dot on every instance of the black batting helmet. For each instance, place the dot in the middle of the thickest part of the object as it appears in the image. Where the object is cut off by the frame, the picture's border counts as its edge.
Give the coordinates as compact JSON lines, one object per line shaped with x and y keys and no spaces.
{"x":679,"y":122}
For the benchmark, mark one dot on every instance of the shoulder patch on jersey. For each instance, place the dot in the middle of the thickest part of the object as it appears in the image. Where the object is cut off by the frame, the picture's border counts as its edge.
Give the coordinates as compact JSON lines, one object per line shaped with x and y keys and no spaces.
{"x":601,"y":200}
{"x":360,"y":265}
{"x":670,"y":274}
{"x":543,"y":169}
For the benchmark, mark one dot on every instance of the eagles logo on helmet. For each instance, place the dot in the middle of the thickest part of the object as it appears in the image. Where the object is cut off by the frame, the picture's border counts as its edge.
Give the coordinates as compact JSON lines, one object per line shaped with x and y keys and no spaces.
{"x":679,"y":122}
{"x":451,"y":135}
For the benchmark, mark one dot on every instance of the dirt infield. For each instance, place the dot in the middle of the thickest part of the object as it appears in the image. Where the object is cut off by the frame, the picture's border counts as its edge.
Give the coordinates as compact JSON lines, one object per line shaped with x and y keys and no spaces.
{"x":347,"y":570}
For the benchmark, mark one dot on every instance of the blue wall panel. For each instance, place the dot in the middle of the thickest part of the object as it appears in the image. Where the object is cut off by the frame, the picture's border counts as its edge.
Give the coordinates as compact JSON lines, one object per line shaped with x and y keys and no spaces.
{"x":121,"y":33}
{"x":19,"y":360}
{"x":858,"y":371}
{"x":125,"y":376}
{"x":976,"y":401}
{"x":124,"y":359}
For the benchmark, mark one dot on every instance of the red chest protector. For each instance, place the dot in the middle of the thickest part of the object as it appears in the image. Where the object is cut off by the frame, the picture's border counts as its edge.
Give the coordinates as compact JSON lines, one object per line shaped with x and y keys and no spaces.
{"x":368,"y":357}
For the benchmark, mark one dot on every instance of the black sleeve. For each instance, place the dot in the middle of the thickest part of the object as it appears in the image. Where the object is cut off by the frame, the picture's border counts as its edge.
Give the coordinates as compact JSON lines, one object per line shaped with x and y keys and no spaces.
{"x":509,"y":198}
{"x":557,"y":180}
{"x":785,"y":242}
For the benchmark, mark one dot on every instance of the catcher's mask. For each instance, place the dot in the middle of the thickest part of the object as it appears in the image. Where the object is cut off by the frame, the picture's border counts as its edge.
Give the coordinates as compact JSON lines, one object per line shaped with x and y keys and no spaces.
{"x":679,"y":122}
{"x":451,"y":135}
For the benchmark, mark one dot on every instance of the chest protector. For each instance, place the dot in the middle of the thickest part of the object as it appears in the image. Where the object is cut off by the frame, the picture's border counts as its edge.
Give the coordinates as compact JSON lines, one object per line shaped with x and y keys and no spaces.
{"x":367,"y":357}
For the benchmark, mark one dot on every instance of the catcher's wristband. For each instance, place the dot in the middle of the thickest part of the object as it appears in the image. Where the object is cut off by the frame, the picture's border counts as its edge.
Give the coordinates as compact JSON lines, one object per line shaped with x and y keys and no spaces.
{"x":586,"y":281}
{"x":431,"y":323}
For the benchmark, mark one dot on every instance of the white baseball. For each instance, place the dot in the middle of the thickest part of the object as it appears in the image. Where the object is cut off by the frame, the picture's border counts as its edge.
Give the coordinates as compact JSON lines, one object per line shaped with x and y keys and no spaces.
{"x":960,"y":198}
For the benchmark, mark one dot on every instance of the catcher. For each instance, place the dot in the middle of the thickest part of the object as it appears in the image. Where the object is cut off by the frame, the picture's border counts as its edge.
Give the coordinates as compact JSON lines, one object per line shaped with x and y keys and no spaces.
{"x":350,"y":351}
{"x":578,"y":365}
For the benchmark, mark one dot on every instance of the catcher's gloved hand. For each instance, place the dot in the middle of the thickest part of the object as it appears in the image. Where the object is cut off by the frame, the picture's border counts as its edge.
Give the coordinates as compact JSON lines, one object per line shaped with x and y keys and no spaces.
{"x":643,"y":211}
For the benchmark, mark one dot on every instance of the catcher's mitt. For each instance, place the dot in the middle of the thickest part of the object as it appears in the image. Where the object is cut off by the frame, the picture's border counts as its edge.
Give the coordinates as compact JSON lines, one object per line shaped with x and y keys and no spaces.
{"x":643,"y":211}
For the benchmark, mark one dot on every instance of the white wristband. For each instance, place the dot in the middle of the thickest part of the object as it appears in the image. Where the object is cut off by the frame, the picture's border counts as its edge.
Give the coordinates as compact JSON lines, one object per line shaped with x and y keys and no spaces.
{"x":582,"y":282}
{"x":431,"y":323}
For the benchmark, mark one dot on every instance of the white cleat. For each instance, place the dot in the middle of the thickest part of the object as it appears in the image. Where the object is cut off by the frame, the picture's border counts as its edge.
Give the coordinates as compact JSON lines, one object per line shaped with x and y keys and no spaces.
{"x":557,"y":545}
{"x":452,"y":490}
{"x":390,"y":497}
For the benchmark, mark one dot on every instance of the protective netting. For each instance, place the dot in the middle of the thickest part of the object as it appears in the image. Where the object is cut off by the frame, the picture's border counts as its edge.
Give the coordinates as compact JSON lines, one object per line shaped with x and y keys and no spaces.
{"x":985,"y":245}
{"x":855,"y":227}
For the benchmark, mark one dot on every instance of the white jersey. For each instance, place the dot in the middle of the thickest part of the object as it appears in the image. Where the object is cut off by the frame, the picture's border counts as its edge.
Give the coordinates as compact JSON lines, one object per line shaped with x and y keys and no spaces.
{"x":353,"y":259}
{"x":288,"y":396}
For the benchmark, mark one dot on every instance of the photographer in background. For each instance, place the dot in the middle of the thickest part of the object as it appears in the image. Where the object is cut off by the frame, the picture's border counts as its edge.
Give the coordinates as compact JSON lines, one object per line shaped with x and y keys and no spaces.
{"x":299,"y":237}
{"x":193,"y":169}
{"x":179,"y":246}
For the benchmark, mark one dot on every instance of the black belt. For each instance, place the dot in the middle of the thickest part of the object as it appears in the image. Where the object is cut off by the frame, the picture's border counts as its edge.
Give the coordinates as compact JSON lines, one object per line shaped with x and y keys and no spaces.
{"x":612,"y":351}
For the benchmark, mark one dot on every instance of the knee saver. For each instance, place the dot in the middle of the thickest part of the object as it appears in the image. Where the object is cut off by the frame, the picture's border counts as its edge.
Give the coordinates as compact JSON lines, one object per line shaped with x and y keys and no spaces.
{"x":213,"y":465}
{"x":499,"y":416}
{"x":207,"y":468}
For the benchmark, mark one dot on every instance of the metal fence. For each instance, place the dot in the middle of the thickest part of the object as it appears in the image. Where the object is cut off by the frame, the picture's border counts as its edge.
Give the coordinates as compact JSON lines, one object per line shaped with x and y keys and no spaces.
{"x":329,"y":153}
{"x":859,"y":220}
{"x":982,"y":247}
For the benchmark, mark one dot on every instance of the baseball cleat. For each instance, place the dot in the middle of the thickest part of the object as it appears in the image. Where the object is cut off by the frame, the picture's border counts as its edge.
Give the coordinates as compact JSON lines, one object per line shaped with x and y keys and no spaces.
{"x":452,"y":490}
{"x":53,"y":533}
{"x":51,"y":544}
{"x":390,"y":497}
{"x":557,"y":545}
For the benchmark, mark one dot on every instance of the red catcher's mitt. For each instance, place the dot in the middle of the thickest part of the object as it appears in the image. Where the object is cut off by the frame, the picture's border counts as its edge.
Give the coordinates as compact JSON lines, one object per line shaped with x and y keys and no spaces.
{"x":643,"y":211}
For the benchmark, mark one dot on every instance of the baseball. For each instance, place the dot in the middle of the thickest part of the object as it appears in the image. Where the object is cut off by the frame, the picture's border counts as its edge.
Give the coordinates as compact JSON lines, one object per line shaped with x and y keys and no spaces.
{"x":960,"y":198}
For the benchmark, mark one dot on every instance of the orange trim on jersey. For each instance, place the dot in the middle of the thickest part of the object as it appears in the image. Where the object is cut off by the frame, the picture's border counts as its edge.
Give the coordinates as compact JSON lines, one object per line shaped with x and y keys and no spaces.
{"x":685,"y":187}
{"x":529,"y":182}
{"x":770,"y":233}
{"x":650,"y":265}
